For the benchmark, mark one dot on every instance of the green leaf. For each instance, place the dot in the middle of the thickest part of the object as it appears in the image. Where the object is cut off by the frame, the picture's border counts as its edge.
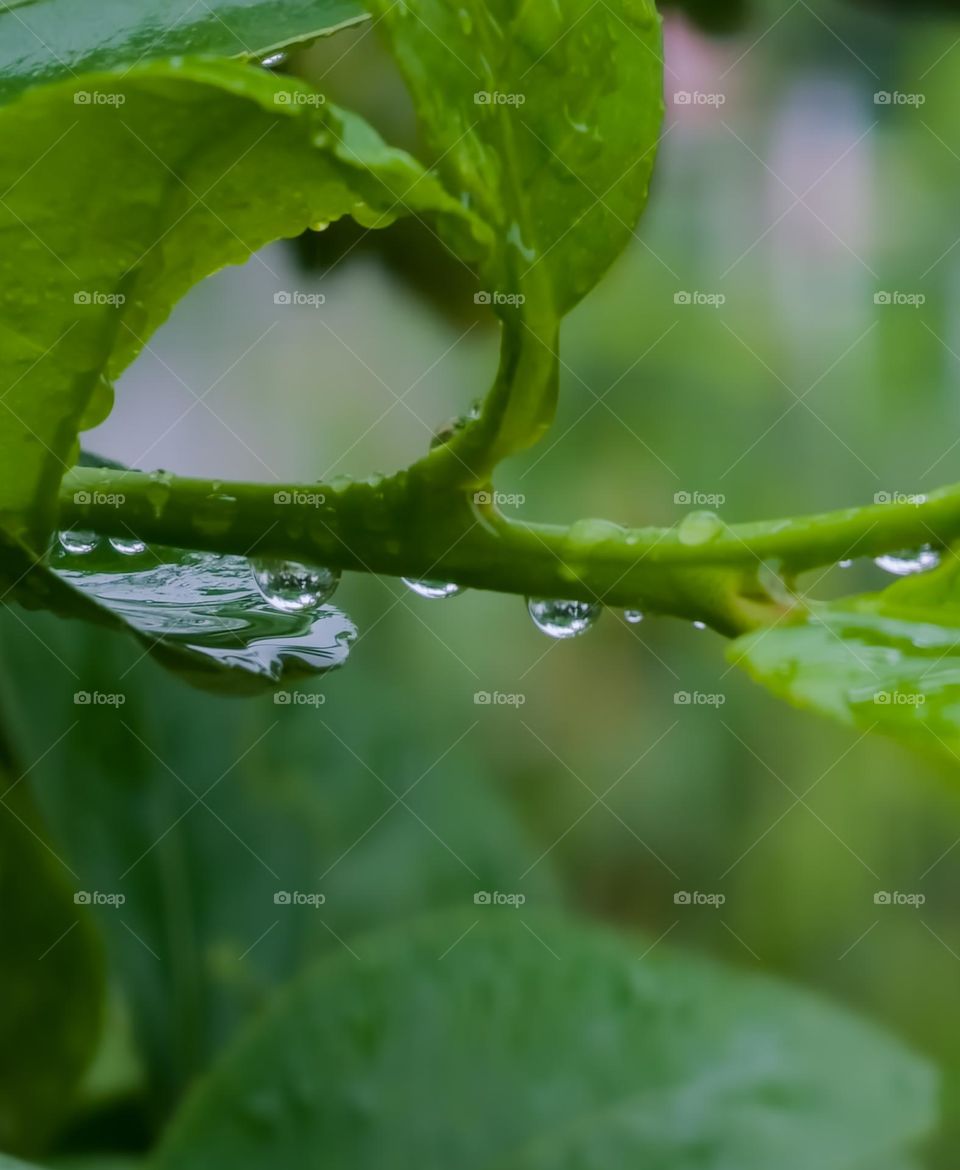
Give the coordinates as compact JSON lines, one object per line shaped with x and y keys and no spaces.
{"x":114,"y":207}
{"x":48,"y":40}
{"x":53,"y":983}
{"x":286,"y":807}
{"x":888,"y":661}
{"x":502,"y":1040}
{"x":547,"y":116}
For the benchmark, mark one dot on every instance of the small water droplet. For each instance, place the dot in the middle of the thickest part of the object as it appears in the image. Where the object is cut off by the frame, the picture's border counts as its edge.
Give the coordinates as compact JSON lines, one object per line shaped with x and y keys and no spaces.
{"x":904,"y":563}
{"x":78,"y":541}
{"x":699,"y":527}
{"x":699,"y":625}
{"x":562,"y":619}
{"x":433,"y":590}
{"x":845,"y":564}
{"x":633,"y":616}
{"x":273,"y":60}
{"x":127,"y":547}
{"x":292,"y":587}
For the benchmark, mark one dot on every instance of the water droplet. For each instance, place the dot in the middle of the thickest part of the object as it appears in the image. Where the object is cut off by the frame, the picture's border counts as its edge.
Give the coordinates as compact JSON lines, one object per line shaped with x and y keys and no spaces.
{"x":78,"y":541}
{"x":433,"y":590}
{"x":633,"y":616}
{"x":562,"y":619}
{"x":699,"y":625}
{"x":292,"y":587}
{"x":845,"y":564}
{"x":127,"y":547}
{"x":904,"y":563}
{"x":699,"y":527}
{"x":273,"y":60}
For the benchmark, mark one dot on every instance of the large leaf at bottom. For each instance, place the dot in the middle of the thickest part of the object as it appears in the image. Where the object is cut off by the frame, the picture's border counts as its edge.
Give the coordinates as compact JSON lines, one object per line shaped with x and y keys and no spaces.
{"x":504,"y":1042}
{"x":121,"y":191}
{"x":888,"y":661}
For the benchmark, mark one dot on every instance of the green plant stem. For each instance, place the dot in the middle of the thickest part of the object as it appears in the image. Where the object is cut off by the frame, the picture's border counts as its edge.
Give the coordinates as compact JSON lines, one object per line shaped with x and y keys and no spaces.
{"x":408,"y":525}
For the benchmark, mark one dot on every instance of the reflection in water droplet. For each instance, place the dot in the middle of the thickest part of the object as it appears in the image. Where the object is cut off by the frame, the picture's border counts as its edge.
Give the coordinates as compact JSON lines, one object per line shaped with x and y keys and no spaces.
{"x":699,"y":527}
{"x":904,"y":563}
{"x":292,"y":587}
{"x":273,"y":60}
{"x":633,"y":616}
{"x":844,"y":564}
{"x":77,"y":541}
{"x":433,"y":590}
{"x":699,"y":625}
{"x":127,"y":548}
{"x":207,"y":607}
{"x":562,"y":619}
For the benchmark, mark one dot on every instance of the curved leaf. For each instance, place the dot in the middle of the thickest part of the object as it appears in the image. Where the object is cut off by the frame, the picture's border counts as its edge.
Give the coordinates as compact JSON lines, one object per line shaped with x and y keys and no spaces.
{"x":46,"y":40}
{"x":510,"y":1043}
{"x":548,"y":115}
{"x":172,"y":170}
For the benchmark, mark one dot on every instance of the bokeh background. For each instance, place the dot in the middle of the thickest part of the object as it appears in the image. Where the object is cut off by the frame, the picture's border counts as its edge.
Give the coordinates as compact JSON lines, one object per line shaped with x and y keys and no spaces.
{"x":785,"y":187}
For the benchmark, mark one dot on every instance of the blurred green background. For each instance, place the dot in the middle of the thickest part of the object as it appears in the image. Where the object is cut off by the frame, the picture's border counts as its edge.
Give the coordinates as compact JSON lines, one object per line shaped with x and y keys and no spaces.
{"x":797,"y":197}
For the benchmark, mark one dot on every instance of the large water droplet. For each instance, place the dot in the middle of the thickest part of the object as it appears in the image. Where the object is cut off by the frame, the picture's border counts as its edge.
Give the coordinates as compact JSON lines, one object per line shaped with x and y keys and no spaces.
{"x":127,"y":548}
{"x":78,"y":541}
{"x":292,"y":587}
{"x":699,"y":527}
{"x":904,"y":563}
{"x":433,"y":590}
{"x":562,"y":619}
{"x":633,"y":616}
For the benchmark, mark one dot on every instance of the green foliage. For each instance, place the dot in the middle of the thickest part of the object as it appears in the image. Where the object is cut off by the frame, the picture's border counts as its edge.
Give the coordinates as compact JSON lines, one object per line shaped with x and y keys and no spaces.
{"x":885,"y":661}
{"x":52,"y":975}
{"x":50,"y":40}
{"x":536,"y":1044}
